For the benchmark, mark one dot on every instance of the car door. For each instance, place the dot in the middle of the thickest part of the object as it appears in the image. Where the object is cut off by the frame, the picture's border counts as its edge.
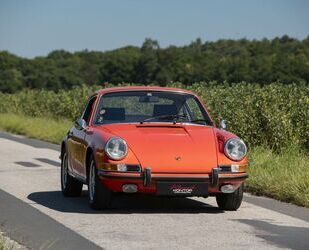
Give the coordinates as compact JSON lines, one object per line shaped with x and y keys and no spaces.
{"x":77,"y":144}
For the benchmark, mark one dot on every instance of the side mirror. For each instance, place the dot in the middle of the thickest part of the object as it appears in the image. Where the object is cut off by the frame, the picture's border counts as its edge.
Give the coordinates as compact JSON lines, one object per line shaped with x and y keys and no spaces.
{"x":80,"y":124}
{"x":223,"y":124}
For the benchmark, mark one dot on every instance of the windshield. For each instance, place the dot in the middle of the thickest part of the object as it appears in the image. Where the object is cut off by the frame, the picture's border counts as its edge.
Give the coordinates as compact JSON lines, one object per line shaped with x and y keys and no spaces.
{"x":150,"y":106}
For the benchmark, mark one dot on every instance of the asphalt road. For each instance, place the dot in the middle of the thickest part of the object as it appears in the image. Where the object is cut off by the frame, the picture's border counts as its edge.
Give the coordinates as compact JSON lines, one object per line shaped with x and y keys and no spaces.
{"x":34,"y":213}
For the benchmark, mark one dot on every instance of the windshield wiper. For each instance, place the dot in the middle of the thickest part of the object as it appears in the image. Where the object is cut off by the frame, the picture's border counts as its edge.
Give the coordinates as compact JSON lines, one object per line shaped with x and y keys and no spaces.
{"x":199,"y":120}
{"x":174,"y":118}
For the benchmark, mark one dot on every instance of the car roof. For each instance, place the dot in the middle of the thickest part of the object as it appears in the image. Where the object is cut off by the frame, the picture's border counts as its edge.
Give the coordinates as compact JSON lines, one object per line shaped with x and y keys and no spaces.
{"x":142,"y":88}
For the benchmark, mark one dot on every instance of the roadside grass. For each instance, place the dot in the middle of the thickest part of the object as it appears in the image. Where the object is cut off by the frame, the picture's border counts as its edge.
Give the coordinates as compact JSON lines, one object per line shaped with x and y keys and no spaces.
{"x":46,"y":129}
{"x":283,"y":176}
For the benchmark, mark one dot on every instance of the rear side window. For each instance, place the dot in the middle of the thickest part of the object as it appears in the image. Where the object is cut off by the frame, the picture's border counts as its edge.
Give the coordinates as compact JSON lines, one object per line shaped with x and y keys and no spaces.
{"x":194,"y":109}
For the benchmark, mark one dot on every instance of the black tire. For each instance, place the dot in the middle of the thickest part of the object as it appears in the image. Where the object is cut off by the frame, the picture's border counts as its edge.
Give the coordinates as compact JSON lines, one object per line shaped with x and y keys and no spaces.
{"x":231,"y":201}
{"x":99,"y":196}
{"x":70,"y":187}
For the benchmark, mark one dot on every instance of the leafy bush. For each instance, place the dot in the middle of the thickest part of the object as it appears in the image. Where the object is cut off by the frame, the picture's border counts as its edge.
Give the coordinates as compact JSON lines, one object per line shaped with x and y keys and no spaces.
{"x":276,"y":115}
{"x":43,"y":103}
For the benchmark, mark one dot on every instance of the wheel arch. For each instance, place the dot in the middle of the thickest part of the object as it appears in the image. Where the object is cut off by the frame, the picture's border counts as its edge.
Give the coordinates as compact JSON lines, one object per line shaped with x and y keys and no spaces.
{"x":89,"y":153}
{"x":63,"y":149}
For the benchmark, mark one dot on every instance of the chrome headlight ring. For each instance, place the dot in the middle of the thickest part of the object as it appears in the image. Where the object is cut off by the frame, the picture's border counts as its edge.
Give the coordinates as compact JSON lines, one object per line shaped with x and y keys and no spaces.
{"x":116,"y":148}
{"x":235,"y":149}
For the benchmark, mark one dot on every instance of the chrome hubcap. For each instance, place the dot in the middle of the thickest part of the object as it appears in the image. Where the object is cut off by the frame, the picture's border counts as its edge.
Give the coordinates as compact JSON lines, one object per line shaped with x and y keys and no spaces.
{"x":91,"y":185}
{"x":64,"y":172}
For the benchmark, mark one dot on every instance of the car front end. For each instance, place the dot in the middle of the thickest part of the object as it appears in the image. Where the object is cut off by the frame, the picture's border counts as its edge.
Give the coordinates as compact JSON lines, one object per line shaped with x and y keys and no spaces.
{"x":172,"y":160}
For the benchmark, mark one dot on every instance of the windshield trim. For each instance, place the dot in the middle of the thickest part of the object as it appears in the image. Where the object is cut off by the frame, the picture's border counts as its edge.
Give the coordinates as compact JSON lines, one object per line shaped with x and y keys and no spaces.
{"x":154,"y":124}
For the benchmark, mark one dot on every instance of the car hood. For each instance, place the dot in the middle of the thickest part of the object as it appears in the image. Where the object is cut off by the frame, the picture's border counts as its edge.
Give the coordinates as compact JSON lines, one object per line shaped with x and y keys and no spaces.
{"x":170,"y":148}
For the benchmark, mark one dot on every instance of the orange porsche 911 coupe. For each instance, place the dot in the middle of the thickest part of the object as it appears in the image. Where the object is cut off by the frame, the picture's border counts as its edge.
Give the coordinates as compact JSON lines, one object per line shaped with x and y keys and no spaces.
{"x":151,"y":140}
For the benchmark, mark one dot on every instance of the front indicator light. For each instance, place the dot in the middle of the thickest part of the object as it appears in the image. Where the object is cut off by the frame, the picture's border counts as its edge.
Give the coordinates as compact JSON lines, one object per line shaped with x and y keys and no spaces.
{"x":109,"y":167}
{"x":238,"y":168}
{"x":121,"y":167}
{"x":234,"y":168}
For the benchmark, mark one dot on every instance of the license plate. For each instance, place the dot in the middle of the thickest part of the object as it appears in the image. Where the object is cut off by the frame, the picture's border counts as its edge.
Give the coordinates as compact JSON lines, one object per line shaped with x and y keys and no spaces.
{"x":182,"y":188}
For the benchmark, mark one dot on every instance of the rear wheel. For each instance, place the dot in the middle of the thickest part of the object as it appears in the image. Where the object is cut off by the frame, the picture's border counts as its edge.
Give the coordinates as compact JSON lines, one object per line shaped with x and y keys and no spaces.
{"x":230,"y":201}
{"x":69,"y":186}
{"x":99,"y":196}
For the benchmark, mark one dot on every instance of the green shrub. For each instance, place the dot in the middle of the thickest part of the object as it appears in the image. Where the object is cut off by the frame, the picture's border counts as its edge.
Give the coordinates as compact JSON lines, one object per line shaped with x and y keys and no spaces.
{"x":276,"y":115}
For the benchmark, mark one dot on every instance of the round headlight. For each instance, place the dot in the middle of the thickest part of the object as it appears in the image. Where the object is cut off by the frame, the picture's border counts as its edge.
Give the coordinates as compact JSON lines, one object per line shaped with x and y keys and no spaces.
{"x":235,"y":149}
{"x":116,"y":148}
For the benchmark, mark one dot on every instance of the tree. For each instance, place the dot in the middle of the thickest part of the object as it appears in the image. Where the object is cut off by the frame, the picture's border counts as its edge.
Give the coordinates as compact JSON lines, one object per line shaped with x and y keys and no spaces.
{"x":147,"y":66}
{"x":283,"y":59}
{"x":119,"y":66}
{"x":10,"y":80}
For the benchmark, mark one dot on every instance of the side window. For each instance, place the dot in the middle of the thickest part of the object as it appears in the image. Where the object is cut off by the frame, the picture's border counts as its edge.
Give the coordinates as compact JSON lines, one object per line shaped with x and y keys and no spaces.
{"x":195,"y":111}
{"x":184,"y":112}
{"x":87,"y":112}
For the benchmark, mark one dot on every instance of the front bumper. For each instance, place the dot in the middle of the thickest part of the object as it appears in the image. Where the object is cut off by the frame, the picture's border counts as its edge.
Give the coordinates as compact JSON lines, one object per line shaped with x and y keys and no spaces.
{"x":147,"y":181}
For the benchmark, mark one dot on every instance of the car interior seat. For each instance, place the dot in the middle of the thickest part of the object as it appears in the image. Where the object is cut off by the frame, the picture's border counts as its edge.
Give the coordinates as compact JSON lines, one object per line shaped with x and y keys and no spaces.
{"x":111,"y":114}
{"x":164,"y":109}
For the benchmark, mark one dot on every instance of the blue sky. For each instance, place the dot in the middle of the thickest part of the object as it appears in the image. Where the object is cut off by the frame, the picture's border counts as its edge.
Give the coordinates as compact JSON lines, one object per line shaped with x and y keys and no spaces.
{"x":34,"y":27}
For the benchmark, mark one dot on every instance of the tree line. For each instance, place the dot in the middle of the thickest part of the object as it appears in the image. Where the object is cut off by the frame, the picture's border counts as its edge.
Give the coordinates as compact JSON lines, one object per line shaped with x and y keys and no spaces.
{"x":283,"y":59}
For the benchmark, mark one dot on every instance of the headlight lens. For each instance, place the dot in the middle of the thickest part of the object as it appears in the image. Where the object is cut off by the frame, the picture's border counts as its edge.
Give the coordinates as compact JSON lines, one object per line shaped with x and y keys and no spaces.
{"x":116,"y":148}
{"x":235,"y":149}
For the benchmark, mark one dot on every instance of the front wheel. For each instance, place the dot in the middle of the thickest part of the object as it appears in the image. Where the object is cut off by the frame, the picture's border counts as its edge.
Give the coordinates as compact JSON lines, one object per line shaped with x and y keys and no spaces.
{"x":230,"y":201}
{"x":69,"y":186}
{"x":99,"y":196}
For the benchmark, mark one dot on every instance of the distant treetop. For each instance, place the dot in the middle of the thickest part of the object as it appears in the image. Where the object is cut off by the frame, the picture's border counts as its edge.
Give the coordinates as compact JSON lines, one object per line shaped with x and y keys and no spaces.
{"x":283,"y":59}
